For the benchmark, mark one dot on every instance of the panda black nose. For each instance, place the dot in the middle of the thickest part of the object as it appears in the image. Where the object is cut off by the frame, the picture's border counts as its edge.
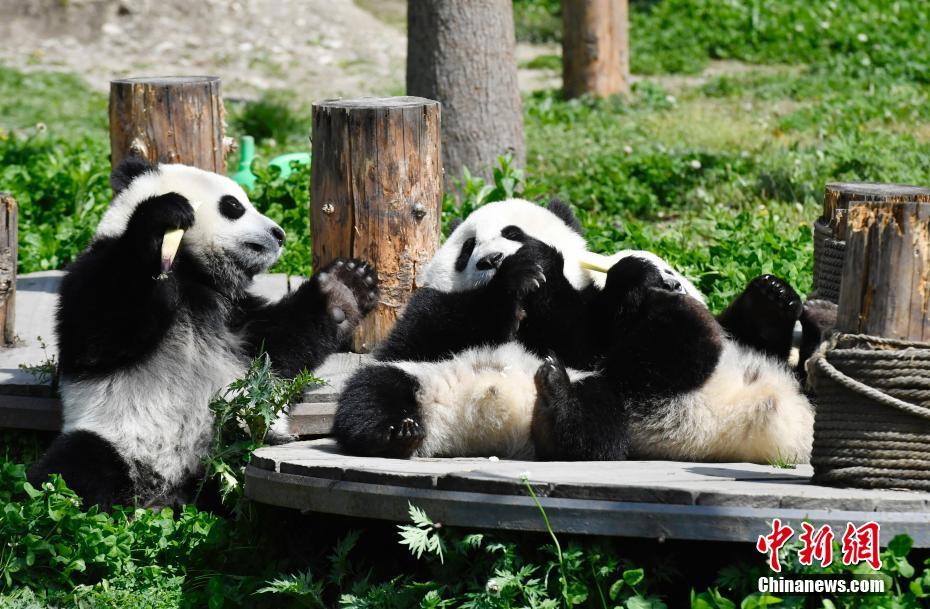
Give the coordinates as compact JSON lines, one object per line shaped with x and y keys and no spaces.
{"x":673,"y":284}
{"x":278,"y":234}
{"x":491,"y":261}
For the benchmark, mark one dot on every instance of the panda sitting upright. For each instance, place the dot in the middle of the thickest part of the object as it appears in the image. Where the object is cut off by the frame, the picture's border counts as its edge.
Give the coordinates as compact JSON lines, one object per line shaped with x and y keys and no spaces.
{"x":142,"y":352}
{"x":456,"y":376}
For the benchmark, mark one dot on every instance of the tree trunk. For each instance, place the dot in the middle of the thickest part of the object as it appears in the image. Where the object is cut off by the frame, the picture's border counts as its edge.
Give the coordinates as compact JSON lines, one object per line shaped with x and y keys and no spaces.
{"x":8,"y":260}
{"x":463,"y":54}
{"x":886,"y":274}
{"x":830,"y":228}
{"x":168,"y":120}
{"x":595,"y":47}
{"x":376,"y":194}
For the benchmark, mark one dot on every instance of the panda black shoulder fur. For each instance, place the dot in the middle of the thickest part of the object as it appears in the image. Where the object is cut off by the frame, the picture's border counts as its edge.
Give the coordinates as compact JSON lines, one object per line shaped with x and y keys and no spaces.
{"x":480,"y":400}
{"x":142,"y":355}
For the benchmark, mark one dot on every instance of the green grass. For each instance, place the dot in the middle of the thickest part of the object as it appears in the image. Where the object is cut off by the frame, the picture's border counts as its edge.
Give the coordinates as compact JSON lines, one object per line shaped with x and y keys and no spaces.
{"x":856,"y":37}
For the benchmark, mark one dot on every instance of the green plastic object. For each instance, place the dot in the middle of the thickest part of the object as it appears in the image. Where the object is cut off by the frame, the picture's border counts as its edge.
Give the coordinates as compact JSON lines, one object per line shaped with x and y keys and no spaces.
{"x":284,"y":161}
{"x":244,"y":176}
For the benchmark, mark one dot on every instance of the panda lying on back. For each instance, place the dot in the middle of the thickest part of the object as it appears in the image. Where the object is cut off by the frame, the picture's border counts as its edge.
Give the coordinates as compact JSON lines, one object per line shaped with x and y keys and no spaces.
{"x":476,"y":395}
{"x":141,"y":355}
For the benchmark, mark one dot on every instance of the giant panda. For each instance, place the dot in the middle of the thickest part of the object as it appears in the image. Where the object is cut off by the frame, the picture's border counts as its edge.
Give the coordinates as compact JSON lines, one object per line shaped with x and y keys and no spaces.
{"x":476,"y":395}
{"x":672,"y":385}
{"x":142,"y":352}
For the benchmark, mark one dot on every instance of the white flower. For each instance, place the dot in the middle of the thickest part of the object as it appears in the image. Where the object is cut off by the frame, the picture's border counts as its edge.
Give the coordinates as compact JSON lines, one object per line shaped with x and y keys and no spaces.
{"x":525,"y":476}
{"x":628,"y":149}
{"x":862,"y":38}
{"x":671,"y":99}
{"x":824,"y":25}
{"x":493,"y":458}
{"x":866,"y":61}
{"x":695,"y":164}
{"x":799,"y":28}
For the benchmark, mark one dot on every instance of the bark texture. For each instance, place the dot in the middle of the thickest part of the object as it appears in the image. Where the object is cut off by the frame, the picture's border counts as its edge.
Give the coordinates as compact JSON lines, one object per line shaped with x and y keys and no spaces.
{"x":463,"y":55}
{"x":376,"y":194}
{"x":886,"y":270}
{"x":595,"y":47}
{"x":168,"y":120}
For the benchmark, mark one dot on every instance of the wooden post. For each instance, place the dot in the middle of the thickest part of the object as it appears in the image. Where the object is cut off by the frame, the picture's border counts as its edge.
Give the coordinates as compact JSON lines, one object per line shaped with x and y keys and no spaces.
{"x":886,"y":273}
{"x":8,"y":261}
{"x":830,"y":228}
{"x":595,"y":47}
{"x":175,"y":119}
{"x":376,"y":193}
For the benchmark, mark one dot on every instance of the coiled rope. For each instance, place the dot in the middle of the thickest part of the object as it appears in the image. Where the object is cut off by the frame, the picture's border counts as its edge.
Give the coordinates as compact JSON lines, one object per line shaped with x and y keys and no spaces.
{"x":828,"y":263}
{"x":873,"y":412}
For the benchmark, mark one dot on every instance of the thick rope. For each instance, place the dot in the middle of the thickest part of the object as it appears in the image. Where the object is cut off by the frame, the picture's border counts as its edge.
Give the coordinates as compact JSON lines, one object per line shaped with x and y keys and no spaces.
{"x":873,"y":412}
{"x":828,"y":263}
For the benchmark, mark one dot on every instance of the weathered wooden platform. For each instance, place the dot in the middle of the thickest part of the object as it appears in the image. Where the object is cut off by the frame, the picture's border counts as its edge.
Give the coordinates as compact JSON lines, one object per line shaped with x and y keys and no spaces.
{"x":28,"y":403}
{"x":657,"y":499}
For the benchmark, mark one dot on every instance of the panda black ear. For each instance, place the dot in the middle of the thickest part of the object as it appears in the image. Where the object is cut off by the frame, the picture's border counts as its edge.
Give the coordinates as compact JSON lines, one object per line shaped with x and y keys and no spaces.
{"x":564,"y":211}
{"x":128,"y":170}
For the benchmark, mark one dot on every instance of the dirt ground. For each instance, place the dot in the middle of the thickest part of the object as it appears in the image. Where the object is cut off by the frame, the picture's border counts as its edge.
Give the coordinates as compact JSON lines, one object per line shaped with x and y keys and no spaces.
{"x":314,"y":48}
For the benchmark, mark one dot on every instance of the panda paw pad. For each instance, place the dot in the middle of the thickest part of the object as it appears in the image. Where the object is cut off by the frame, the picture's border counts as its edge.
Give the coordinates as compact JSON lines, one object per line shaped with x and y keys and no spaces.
{"x":405,"y":436}
{"x":776,"y":295}
{"x":351,"y":290}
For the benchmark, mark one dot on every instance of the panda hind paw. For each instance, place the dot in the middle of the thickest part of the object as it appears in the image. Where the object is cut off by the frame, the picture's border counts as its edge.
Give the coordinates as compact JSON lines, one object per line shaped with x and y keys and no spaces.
{"x":404,"y":437}
{"x":553,"y":386}
{"x":776,"y":297}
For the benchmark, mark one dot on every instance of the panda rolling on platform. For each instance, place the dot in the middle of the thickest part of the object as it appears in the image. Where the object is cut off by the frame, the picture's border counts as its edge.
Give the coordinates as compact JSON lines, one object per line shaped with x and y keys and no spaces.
{"x":142,"y":353}
{"x":673,"y":384}
{"x":485,"y":331}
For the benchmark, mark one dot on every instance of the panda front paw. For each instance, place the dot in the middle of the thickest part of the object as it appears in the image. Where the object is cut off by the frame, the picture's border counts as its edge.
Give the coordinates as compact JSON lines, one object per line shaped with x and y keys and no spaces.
{"x":351,"y":290}
{"x":632,"y":273}
{"x":520,"y":274}
{"x":159,"y":214}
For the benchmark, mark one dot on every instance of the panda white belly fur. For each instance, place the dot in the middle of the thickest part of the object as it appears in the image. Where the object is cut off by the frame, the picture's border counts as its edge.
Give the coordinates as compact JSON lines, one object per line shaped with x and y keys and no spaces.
{"x":157,"y":412}
{"x":479,"y":402}
{"x":750,"y":409}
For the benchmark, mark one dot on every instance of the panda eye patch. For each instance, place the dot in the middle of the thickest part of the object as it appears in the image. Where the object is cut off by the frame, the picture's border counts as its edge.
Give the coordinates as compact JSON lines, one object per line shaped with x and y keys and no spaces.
{"x":231,"y":208}
{"x":513,"y":233}
{"x":467,"y":248}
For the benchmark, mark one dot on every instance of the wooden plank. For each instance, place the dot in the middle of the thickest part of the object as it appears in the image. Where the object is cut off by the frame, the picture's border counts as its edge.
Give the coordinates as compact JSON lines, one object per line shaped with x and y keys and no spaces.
{"x":668,"y":482}
{"x":576,"y":516}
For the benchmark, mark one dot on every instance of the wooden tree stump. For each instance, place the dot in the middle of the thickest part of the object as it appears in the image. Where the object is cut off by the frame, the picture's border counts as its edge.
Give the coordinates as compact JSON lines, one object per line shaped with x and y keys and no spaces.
{"x":376,"y":194}
{"x":595,"y":47}
{"x":830,"y":228}
{"x":886,"y":273}
{"x":463,"y":54}
{"x":8,"y":260}
{"x":174,"y":119}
